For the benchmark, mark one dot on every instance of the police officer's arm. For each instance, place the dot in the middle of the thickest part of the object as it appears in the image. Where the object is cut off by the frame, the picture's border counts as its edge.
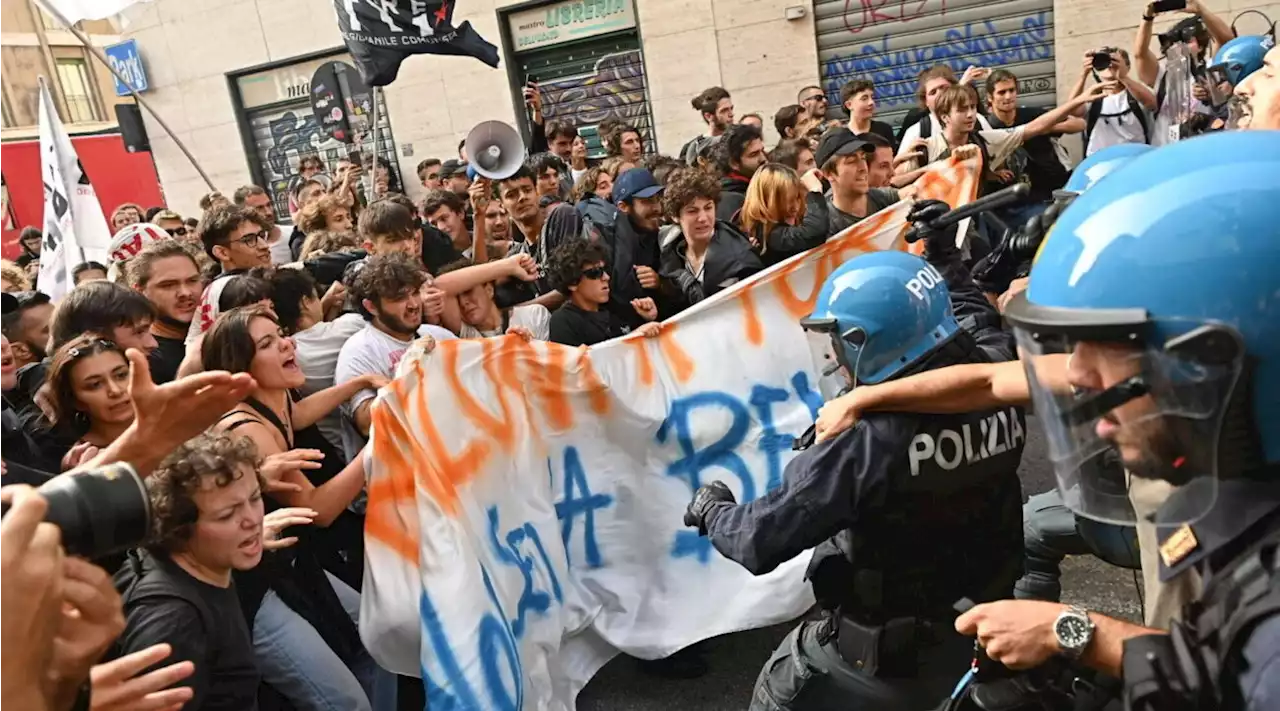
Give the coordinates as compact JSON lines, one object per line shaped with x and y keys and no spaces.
{"x":1020,"y":635}
{"x":954,"y":389}
{"x":821,"y":493}
{"x":972,"y":308}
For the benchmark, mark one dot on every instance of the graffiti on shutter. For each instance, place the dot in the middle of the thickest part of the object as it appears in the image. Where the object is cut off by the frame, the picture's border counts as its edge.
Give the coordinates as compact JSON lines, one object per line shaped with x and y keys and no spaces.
{"x":891,"y":41}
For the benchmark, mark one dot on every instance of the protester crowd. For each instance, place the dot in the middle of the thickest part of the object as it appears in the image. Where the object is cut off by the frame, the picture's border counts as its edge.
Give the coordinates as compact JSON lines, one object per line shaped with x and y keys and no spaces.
{"x":243,"y":357}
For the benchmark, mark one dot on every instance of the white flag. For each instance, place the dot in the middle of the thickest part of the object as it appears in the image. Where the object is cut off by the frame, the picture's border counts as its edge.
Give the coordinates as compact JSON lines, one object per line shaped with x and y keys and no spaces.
{"x":73,"y":11}
{"x":74,"y":229}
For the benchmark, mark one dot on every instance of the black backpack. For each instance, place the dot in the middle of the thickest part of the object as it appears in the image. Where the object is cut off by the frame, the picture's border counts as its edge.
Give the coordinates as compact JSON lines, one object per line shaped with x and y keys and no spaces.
{"x":1135,"y":108}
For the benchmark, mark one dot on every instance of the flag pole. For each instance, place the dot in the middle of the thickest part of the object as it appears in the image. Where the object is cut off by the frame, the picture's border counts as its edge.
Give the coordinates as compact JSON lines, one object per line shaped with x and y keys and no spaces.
{"x":373,"y":130}
{"x":98,"y":55}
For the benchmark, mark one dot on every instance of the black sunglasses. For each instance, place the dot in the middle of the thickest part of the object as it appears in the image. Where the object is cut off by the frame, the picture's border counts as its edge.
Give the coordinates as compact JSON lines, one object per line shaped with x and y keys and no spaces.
{"x":97,"y":345}
{"x":593,"y":273}
{"x":176,"y":231}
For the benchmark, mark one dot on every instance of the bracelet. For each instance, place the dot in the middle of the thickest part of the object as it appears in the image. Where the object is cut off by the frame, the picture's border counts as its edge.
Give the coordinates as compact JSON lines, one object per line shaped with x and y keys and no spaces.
{"x":1148,"y":18}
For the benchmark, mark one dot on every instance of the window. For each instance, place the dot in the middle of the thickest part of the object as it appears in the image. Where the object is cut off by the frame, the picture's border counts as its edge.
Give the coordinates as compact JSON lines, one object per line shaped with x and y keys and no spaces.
{"x":81,"y":104}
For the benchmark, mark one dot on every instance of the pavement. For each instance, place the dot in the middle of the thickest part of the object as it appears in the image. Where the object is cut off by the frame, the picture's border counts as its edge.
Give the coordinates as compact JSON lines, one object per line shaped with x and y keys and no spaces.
{"x":735,"y":659}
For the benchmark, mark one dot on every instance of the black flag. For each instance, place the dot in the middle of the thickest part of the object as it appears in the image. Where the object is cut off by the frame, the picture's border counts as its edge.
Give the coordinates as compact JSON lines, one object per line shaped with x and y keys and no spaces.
{"x":381,"y":34}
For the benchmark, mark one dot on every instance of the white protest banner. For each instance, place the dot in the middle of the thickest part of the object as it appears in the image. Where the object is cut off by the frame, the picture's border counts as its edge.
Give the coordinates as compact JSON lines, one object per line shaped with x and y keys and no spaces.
{"x":74,"y":11}
{"x":74,"y":229}
{"x":525,"y":499}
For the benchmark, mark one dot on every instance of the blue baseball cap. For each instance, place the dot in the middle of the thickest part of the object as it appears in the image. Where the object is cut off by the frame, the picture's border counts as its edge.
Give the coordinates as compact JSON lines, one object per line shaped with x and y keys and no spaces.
{"x":635,"y":183}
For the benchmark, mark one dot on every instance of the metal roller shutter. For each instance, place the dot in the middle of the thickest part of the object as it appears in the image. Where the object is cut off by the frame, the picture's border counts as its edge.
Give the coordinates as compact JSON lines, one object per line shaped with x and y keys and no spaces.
{"x":591,"y":81}
{"x":891,"y":41}
{"x":286,"y":131}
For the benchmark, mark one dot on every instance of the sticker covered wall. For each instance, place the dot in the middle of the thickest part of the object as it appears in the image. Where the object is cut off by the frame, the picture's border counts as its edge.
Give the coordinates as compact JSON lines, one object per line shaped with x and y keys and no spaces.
{"x":525,"y":498}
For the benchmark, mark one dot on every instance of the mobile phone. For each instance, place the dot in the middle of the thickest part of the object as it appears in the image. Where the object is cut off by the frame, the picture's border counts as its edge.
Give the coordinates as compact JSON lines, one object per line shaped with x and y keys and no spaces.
{"x":1168,"y":5}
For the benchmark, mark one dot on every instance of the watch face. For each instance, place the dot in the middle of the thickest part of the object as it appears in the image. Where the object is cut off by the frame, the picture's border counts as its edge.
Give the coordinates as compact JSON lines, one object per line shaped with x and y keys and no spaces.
{"x":1073,"y":631}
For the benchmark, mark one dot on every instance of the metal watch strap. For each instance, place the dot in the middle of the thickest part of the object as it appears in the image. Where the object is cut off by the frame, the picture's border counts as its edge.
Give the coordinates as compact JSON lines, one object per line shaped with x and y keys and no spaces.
{"x":1076,"y":610}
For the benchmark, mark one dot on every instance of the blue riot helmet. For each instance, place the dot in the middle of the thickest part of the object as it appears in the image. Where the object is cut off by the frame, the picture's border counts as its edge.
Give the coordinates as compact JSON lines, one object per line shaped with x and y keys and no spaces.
{"x":1101,"y":164}
{"x":1158,"y":294}
{"x":876,"y":316}
{"x":1242,"y":56}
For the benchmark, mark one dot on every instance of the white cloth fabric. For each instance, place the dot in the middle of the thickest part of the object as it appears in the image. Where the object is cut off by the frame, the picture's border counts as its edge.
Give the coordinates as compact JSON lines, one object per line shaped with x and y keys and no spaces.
{"x":534,"y":317}
{"x":280,"y":252}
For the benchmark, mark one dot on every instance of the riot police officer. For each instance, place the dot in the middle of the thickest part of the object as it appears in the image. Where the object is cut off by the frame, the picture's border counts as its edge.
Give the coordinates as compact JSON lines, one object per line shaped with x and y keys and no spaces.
{"x":1161,"y":287}
{"x":909,"y":512}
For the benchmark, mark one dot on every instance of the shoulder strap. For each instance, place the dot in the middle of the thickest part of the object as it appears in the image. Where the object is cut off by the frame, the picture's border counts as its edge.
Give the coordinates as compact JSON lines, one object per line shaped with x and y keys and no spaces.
{"x":1091,"y":119}
{"x":269,"y":416}
{"x":1139,"y":113}
{"x":926,"y":126}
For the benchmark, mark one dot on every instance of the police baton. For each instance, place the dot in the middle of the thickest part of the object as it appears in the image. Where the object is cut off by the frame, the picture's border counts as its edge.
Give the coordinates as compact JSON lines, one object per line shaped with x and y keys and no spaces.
{"x":994,"y":201}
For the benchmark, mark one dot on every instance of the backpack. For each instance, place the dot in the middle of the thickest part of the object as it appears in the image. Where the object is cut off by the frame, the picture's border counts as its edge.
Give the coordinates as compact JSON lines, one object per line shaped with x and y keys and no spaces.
{"x":1135,"y":108}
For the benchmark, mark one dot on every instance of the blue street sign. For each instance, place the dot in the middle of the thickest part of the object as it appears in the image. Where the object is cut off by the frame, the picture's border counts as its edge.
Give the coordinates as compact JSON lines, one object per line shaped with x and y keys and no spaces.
{"x":126,"y":60}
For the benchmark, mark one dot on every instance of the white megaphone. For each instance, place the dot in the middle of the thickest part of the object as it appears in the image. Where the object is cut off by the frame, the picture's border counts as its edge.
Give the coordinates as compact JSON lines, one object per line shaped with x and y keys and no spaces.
{"x":494,"y":150}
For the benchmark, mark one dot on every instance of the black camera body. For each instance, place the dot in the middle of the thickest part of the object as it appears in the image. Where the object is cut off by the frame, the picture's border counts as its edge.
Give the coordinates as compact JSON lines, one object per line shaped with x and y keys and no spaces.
{"x":1102,"y":57}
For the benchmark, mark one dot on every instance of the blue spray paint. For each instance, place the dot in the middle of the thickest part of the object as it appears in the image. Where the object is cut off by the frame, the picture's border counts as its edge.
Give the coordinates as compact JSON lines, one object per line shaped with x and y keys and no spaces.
{"x":980,"y":44}
{"x":579,"y":501}
{"x":532,"y":598}
{"x":723,"y":453}
{"x":497,"y":643}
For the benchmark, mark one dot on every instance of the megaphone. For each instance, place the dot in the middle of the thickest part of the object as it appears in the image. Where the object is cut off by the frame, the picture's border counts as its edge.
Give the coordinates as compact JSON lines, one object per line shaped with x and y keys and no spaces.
{"x":494,"y":150}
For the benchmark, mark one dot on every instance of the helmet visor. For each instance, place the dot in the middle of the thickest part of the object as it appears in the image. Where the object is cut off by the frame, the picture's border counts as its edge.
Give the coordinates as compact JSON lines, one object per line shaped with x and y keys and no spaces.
{"x":834,"y":355}
{"x":1117,"y":409}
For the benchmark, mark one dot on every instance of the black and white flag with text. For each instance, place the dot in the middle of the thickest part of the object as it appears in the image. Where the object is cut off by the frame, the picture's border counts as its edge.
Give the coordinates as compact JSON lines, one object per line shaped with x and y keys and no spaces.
{"x":75,"y":230}
{"x":381,"y":33}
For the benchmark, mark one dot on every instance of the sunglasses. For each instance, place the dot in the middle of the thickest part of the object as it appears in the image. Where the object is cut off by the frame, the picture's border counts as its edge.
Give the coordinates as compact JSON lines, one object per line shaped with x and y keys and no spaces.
{"x":97,"y":345}
{"x":177,"y":231}
{"x":593,"y":273}
{"x":253,"y":238}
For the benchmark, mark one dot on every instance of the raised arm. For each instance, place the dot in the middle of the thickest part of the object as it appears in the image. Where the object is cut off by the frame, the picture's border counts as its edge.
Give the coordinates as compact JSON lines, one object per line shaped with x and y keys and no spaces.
{"x":316,"y":406}
{"x":1044,"y":123}
{"x":520,"y":266}
{"x":1145,"y":62}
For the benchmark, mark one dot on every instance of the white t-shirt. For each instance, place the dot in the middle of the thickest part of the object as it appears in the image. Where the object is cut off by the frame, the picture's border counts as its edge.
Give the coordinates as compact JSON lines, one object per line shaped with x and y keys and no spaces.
{"x":280,"y":252}
{"x":534,"y":317}
{"x":371,"y":351}
{"x":935,"y":127}
{"x":1001,"y":143}
{"x":318,"y":349}
{"x":1116,"y":125}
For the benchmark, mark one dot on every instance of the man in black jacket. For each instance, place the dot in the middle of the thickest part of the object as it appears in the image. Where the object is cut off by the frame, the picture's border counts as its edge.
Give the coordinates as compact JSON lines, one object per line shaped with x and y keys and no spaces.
{"x":739,"y":154}
{"x":637,"y":256}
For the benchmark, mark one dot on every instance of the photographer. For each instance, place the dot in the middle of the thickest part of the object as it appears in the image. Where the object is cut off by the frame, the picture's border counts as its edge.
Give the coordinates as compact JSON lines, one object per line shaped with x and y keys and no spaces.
{"x":1195,"y":32}
{"x":1120,"y":116}
{"x":1183,"y":104}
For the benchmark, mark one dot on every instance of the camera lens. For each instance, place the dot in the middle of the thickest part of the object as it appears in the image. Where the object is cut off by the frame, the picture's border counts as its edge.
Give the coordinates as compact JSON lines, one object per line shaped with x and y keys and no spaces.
{"x":1101,"y":60}
{"x":100,"y":511}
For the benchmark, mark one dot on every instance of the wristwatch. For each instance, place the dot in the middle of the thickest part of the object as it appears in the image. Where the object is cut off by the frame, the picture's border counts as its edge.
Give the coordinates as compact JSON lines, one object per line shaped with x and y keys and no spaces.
{"x":1074,"y":631}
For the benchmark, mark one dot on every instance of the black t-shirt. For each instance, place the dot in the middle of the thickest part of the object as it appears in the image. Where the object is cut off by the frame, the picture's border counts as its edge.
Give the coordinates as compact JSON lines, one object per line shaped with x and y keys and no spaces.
{"x":1043,"y":169}
{"x":203,"y":624}
{"x":885,"y":131}
{"x":877,"y":200}
{"x":165,"y":359}
{"x":574,"y":326}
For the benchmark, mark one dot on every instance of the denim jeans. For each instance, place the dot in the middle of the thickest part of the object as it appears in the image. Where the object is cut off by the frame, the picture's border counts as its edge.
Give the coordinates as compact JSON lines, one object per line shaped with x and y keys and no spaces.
{"x":296,"y":661}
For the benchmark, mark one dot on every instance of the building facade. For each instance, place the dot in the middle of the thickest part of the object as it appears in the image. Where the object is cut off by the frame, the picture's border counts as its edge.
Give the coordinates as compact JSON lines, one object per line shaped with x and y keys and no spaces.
{"x":234,"y":77}
{"x":32,"y":45}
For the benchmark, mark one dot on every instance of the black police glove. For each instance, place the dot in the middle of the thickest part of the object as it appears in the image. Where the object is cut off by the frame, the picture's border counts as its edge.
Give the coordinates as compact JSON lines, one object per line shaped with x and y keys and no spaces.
{"x":705,"y":499}
{"x":939,"y":242}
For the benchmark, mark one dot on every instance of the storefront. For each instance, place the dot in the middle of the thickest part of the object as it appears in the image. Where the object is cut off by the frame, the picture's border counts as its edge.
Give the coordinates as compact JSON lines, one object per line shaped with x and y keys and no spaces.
{"x":891,"y":43}
{"x":585,"y":56}
{"x":279,"y":124}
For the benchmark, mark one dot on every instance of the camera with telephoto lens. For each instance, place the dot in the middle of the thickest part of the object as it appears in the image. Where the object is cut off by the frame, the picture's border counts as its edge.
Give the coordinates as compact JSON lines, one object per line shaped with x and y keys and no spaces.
{"x":101,"y":511}
{"x":1102,"y":58}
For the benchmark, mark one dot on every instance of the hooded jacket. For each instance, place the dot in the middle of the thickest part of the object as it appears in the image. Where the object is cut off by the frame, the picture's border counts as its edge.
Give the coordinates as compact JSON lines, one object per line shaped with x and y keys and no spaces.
{"x":733,"y":192}
{"x":729,"y":259}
